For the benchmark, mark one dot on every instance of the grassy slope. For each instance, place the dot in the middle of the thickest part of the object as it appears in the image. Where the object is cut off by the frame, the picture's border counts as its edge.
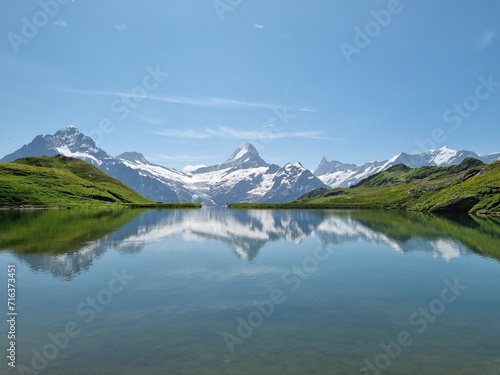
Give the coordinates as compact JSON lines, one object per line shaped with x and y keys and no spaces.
{"x":422,"y":189}
{"x":60,"y":181}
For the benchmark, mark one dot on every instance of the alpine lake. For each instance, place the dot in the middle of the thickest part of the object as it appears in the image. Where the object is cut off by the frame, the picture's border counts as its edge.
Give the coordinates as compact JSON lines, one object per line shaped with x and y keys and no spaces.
{"x":225,"y":291}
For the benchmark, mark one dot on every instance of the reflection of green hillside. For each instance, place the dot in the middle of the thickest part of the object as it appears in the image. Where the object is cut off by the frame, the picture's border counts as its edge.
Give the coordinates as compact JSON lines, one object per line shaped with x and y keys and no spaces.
{"x":481,"y":235}
{"x":58,"y":231}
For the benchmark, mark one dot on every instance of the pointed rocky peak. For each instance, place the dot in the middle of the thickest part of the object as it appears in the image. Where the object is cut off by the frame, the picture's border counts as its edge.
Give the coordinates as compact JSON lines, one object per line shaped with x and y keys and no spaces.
{"x":67,"y":132}
{"x":323,"y":166}
{"x":134,"y":157}
{"x":395,"y":157}
{"x":70,"y":128}
{"x":245,"y":157}
{"x":329,"y":166}
{"x":245,"y":151}
{"x":69,"y":141}
{"x":70,"y":136}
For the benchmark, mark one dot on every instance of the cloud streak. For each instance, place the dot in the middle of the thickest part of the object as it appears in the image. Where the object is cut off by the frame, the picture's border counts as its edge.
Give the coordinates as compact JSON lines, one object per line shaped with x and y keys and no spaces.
{"x":60,"y":23}
{"x":227,"y":132}
{"x":177,"y":133}
{"x":120,"y":27}
{"x":486,"y":38}
{"x":212,"y":102}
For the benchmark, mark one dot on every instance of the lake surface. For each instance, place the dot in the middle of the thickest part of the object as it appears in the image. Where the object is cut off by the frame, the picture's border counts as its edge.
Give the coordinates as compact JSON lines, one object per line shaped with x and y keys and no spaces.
{"x":218,"y":291}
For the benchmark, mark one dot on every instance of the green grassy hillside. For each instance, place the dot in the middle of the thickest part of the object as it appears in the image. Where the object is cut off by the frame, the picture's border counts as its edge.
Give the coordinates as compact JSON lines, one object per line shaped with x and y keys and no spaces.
{"x":469,"y":187}
{"x":61,"y":181}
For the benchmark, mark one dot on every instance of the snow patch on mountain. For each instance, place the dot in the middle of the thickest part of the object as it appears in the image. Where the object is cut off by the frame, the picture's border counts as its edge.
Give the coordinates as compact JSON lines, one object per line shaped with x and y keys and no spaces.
{"x":247,"y":150}
{"x":337,"y":174}
{"x":445,"y":155}
{"x":243,"y":177}
{"x":64,"y":150}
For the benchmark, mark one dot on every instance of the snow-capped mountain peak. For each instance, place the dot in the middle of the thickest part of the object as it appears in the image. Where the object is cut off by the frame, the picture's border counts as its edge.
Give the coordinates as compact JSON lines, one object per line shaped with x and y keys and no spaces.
{"x":69,"y":129}
{"x":336,"y":174}
{"x":245,"y":176}
{"x":245,"y":152}
{"x":444,"y":155}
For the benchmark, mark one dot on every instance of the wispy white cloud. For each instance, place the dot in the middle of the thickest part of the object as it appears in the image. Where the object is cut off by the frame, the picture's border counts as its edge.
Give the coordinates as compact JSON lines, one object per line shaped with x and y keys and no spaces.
{"x":308,"y":110}
{"x":183,"y":133}
{"x":120,"y":27}
{"x":227,"y":132}
{"x":486,"y":38}
{"x":213,"y":102}
{"x":60,"y":23}
{"x":259,"y":26}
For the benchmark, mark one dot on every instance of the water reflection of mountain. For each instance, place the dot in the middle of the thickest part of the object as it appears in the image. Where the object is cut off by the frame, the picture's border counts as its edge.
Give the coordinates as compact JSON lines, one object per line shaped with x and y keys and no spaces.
{"x":335,"y":230}
{"x":447,"y":234}
{"x":245,"y":232}
{"x":65,"y":243}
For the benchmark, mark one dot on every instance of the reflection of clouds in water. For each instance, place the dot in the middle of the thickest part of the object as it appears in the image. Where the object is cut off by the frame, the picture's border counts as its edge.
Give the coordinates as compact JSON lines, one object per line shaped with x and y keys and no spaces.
{"x":448,"y":249}
{"x":206,"y":273}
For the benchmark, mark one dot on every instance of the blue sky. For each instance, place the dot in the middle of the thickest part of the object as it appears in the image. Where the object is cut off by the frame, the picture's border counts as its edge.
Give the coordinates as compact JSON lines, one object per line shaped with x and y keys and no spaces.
{"x":186,"y":82}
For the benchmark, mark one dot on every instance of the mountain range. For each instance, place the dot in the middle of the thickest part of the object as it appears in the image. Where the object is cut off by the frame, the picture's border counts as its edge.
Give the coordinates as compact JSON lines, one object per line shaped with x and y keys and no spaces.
{"x":337,"y":174}
{"x":244,"y":176}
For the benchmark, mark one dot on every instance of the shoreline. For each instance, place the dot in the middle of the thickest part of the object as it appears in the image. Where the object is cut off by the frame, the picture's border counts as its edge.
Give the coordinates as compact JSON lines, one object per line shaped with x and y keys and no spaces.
{"x":328,"y":206}
{"x":129,"y":205}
